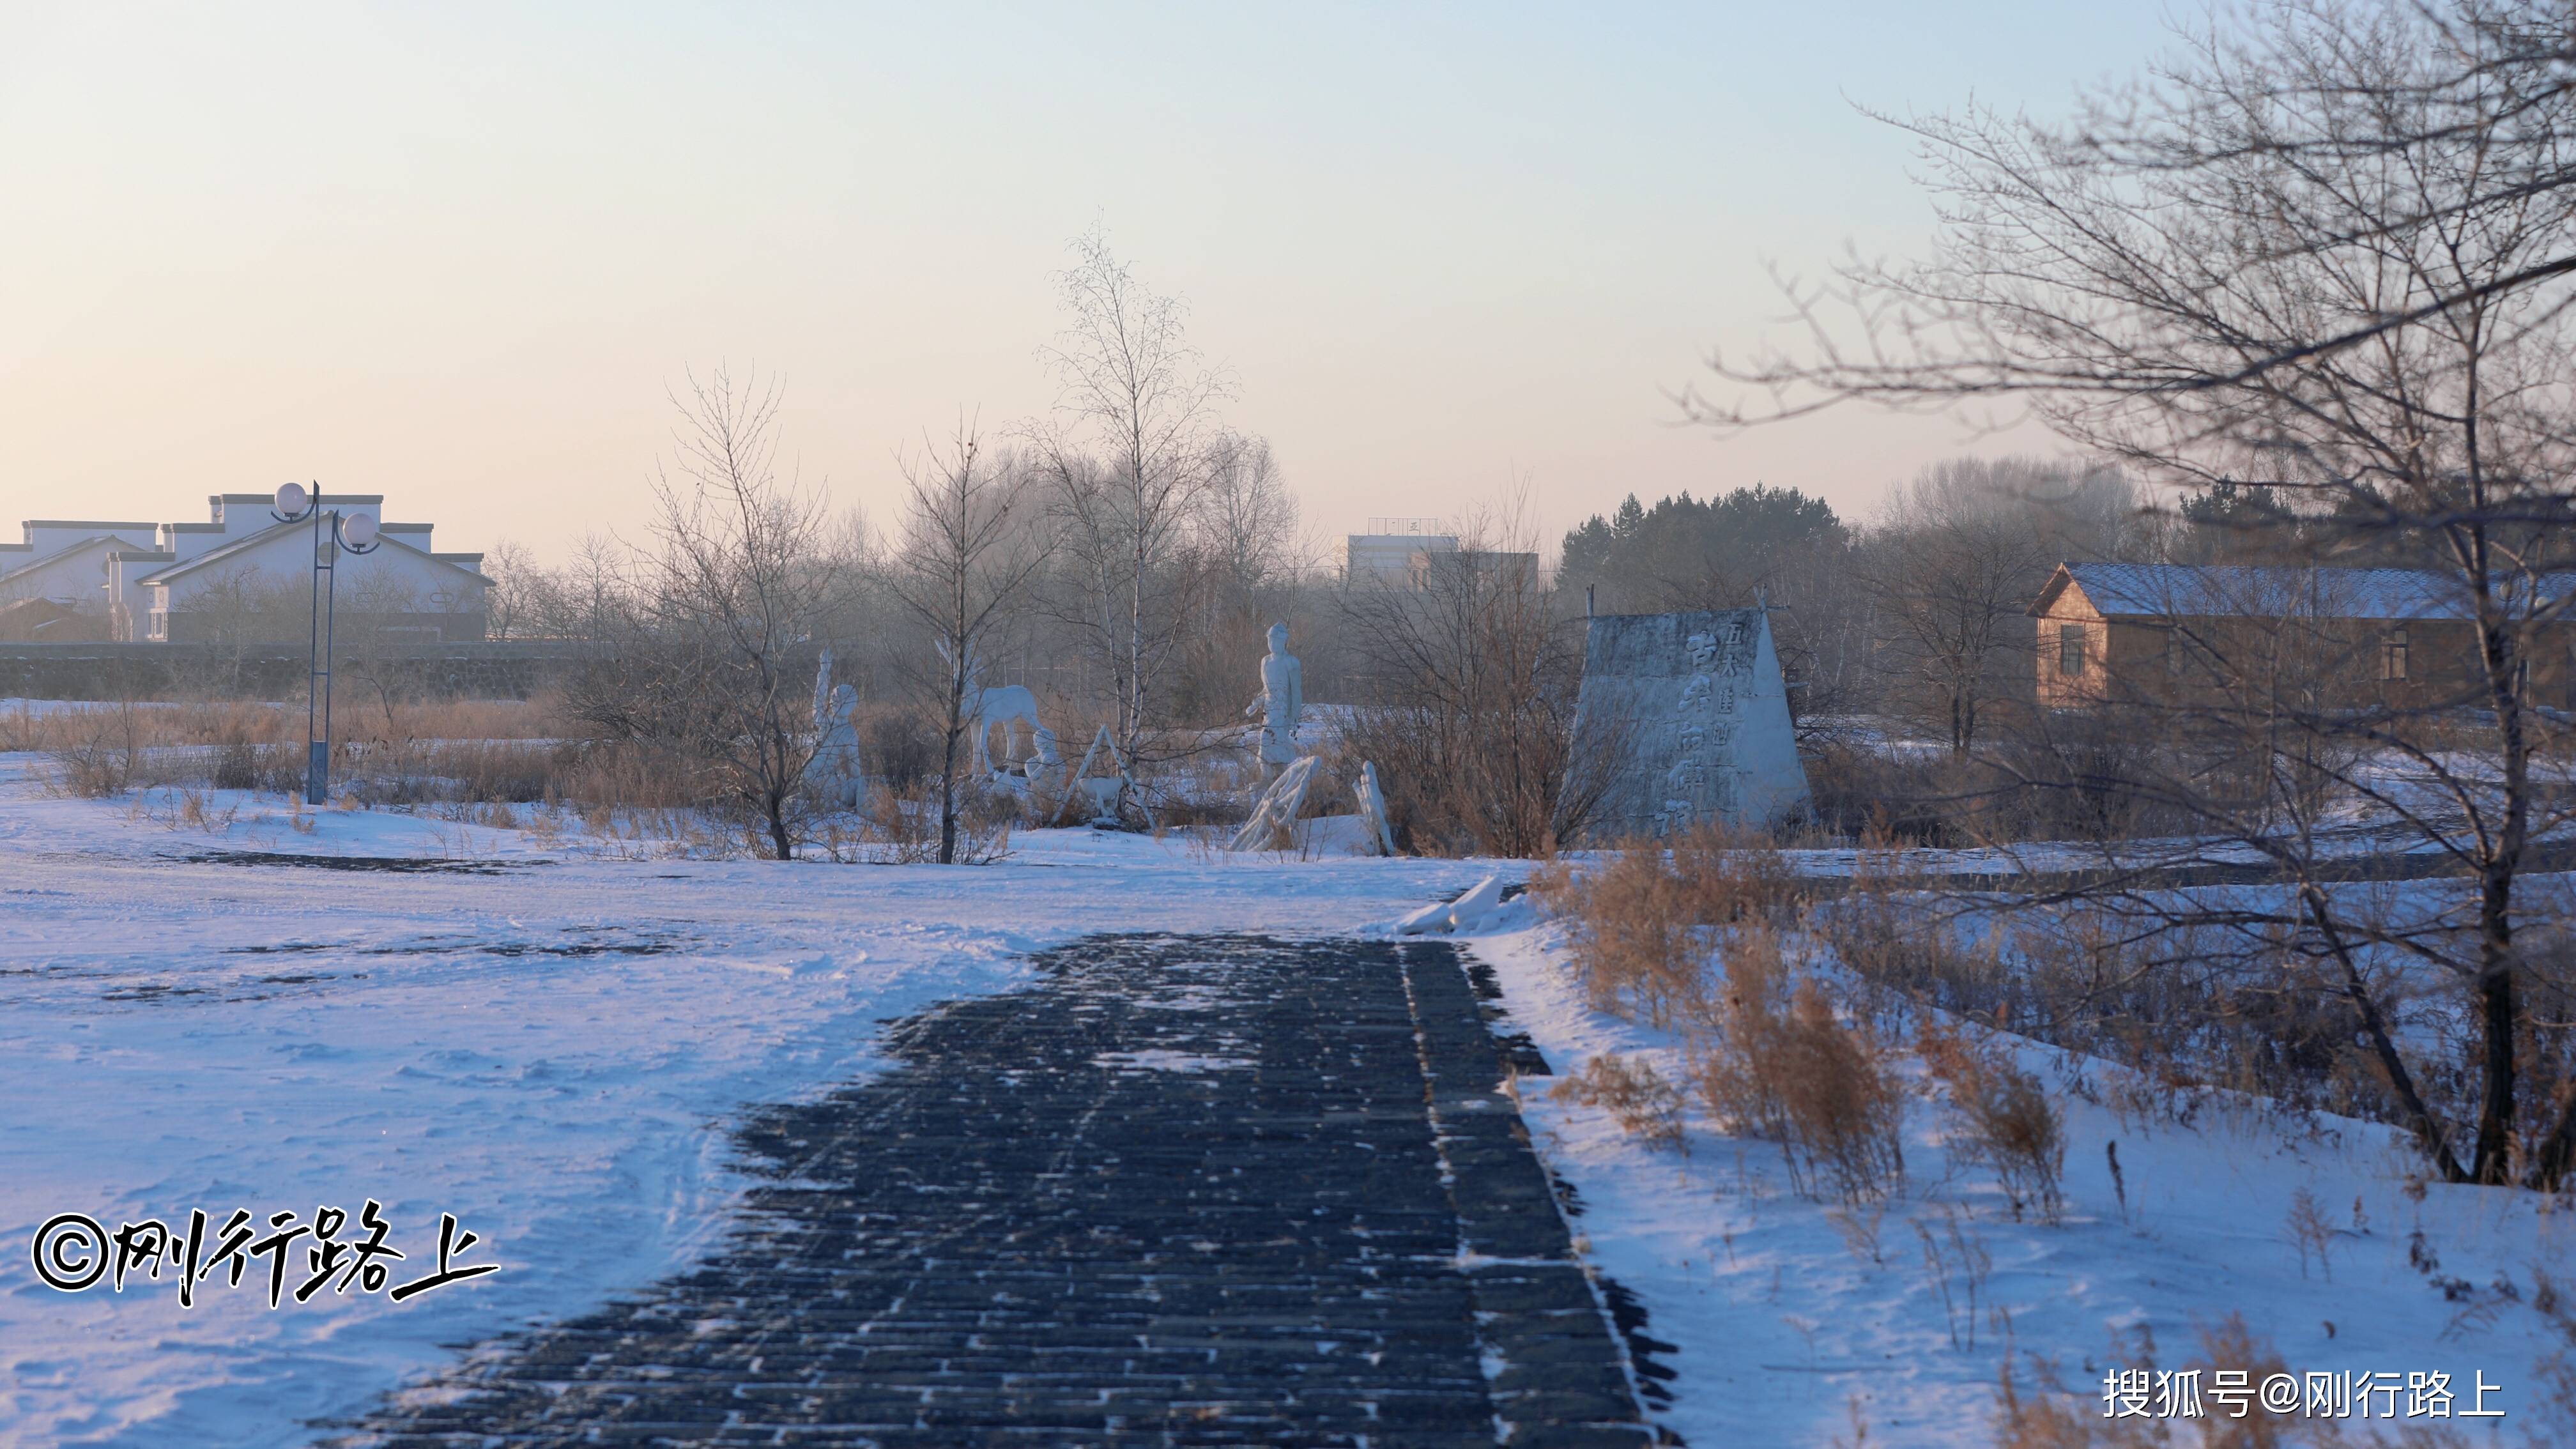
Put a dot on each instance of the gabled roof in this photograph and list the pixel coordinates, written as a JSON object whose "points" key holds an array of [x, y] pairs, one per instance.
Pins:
{"points": [[63, 553], [248, 542], [15, 613], [2232, 591], [240, 545]]}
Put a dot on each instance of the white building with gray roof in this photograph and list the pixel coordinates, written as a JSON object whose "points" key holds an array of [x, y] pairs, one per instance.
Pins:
{"points": [[239, 575]]}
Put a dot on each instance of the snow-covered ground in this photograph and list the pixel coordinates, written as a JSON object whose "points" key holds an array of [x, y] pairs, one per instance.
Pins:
{"points": [[551, 1044], [1794, 1320], [550, 1051]]}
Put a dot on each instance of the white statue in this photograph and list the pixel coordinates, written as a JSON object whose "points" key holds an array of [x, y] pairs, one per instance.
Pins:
{"points": [[1282, 699], [834, 774], [1273, 825], [1373, 812], [1010, 706]]}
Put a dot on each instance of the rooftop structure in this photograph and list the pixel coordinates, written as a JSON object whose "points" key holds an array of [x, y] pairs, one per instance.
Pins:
{"points": [[240, 572]]}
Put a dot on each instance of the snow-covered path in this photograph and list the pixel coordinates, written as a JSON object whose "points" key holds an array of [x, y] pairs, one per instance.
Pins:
{"points": [[1184, 1189], [552, 1053]]}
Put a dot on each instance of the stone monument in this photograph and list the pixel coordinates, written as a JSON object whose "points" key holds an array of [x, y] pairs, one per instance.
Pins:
{"points": [[1682, 719], [1282, 699]]}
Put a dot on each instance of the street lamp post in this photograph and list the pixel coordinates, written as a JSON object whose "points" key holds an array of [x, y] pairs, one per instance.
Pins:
{"points": [[333, 532]]}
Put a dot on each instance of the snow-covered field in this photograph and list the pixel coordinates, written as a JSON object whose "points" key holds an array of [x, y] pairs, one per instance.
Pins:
{"points": [[551, 1052], [550, 1045], [1794, 1320]]}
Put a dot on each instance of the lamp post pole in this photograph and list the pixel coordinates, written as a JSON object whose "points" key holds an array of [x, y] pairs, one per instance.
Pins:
{"points": [[333, 532]]}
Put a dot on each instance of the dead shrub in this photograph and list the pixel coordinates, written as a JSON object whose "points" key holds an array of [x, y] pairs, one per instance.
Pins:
{"points": [[96, 753], [901, 827], [2001, 1117], [1644, 919], [605, 775], [1729, 876], [2049, 1415], [1636, 938], [2185, 1005], [2229, 1344], [1896, 938], [2555, 1373], [94, 770], [1783, 1065], [2310, 1233], [1634, 1094]]}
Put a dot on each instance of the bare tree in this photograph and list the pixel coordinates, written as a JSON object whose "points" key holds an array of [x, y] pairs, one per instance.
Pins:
{"points": [[1129, 458], [966, 556], [1962, 551], [2496, 78], [1247, 516], [1470, 674], [744, 570], [517, 599], [2296, 268]]}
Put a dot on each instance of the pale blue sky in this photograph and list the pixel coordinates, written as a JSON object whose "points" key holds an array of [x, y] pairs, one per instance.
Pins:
{"points": [[453, 253]]}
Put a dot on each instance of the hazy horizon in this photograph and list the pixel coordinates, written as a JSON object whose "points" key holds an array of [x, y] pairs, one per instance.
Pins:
{"points": [[456, 256]]}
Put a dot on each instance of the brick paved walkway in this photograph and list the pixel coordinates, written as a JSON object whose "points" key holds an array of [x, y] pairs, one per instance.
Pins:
{"points": [[1188, 1190]]}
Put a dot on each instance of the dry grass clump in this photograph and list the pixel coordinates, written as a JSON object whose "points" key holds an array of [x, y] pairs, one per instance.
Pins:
{"points": [[2048, 1414], [399, 753], [2186, 1006], [1636, 937], [2002, 1118], [1644, 920], [2053, 1415], [1781, 1064], [1896, 938], [1635, 1095]]}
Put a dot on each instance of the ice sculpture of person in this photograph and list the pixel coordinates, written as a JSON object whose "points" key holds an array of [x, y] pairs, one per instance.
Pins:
{"points": [[1282, 699], [834, 774]]}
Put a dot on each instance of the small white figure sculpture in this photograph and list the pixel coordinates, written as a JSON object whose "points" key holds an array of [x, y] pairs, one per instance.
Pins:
{"points": [[1282, 699], [834, 775], [1273, 825], [1102, 794]]}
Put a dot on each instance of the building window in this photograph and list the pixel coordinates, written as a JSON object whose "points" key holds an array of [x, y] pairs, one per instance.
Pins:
{"points": [[2392, 655], [2070, 649]]}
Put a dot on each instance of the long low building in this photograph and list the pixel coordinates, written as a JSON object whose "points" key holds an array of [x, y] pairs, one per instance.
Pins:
{"points": [[2345, 637], [240, 576]]}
